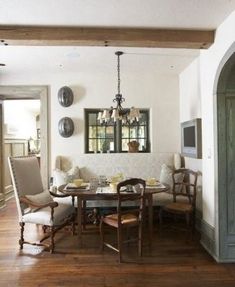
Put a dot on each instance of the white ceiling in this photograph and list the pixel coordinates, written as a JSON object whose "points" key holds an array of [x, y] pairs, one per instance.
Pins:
{"points": [[203, 14], [41, 60], [187, 14]]}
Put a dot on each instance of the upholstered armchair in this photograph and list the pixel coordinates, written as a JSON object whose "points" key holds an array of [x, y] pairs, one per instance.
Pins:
{"points": [[34, 204]]}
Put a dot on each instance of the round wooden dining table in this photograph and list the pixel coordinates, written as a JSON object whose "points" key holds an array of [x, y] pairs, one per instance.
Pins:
{"points": [[87, 194]]}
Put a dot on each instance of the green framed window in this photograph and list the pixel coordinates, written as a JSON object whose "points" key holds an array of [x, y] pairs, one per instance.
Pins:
{"points": [[114, 138], [138, 131]]}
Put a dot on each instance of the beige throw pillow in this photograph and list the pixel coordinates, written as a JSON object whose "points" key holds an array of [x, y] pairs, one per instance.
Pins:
{"points": [[166, 175], [62, 177], [177, 161]]}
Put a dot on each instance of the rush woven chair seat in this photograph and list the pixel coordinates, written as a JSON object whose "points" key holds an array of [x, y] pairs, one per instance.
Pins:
{"points": [[125, 219], [184, 187], [34, 204]]}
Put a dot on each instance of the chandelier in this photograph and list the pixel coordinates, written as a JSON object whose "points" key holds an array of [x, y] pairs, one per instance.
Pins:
{"points": [[113, 114]]}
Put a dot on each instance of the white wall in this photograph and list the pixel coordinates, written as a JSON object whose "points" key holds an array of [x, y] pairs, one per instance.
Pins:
{"points": [[211, 62], [95, 88], [190, 94], [159, 93], [203, 91], [190, 108]]}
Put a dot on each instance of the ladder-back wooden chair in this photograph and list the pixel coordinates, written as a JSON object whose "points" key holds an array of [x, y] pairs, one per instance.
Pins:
{"points": [[184, 196], [124, 218]]}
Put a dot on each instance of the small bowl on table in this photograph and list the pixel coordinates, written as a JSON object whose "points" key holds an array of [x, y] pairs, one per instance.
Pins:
{"points": [[78, 182], [113, 186]]}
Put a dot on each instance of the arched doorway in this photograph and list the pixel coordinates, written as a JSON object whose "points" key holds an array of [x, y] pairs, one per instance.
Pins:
{"points": [[226, 161]]}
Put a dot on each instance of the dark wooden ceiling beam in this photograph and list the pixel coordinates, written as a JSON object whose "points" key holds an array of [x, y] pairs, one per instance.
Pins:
{"points": [[115, 37]]}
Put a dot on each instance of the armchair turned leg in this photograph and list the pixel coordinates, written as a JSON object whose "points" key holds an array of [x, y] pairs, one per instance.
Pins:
{"points": [[21, 241], [73, 225], [140, 240], [52, 240]]}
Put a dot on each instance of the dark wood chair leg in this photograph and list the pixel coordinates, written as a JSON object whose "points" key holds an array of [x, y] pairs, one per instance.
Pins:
{"points": [[101, 235], [73, 224], [187, 216], [140, 239], [193, 222], [52, 240], [21, 241], [119, 235], [84, 215]]}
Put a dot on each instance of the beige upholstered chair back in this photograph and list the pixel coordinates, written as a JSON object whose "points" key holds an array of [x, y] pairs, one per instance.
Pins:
{"points": [[26, 178]]}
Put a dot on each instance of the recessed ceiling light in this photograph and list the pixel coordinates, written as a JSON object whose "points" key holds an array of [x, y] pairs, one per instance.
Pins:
{"points": [[73, 54]]}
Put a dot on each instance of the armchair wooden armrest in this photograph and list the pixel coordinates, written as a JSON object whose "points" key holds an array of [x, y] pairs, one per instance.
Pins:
{"points": [[30, 203], [58, 195]]}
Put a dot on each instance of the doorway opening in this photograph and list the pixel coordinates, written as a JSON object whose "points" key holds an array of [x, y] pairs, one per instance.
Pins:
{"points": [[24, 129]]}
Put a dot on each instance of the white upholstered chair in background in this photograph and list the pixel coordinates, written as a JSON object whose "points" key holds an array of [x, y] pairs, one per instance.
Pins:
{"points": [[34, 204]]}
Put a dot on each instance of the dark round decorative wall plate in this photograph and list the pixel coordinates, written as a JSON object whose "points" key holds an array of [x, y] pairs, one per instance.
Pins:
{"points": [[66, 127], [65, 96]]}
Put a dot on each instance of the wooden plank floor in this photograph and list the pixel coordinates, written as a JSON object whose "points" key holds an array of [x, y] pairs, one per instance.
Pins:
{"points": [[174, 261]]}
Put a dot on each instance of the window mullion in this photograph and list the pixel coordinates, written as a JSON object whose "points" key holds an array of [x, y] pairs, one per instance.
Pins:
{"points": [[118, 136]]}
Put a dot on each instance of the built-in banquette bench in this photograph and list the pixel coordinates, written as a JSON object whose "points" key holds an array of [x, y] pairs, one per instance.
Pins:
{"points": [[131, 165]]}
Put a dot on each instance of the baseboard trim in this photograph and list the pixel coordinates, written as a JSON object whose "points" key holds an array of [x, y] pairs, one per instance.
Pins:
{"points": [[2, 206], [208, 238], [9, 197]]}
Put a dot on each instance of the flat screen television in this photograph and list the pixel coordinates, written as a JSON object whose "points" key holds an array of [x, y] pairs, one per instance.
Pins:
{"points": [[191, 138]]}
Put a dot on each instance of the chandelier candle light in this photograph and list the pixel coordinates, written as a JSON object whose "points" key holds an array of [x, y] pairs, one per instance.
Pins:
{"points": [[119, 113]]}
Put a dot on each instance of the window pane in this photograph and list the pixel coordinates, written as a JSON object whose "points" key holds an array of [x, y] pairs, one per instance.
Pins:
{"points": [[133, 132], [92, 145], [125, 132], [92, 132], [105, 145], [143, 144], [110, 132], [143, 119], [111, 145], [100, 132], [99, 144], [92, 118], [125, 144], [142, 132]]}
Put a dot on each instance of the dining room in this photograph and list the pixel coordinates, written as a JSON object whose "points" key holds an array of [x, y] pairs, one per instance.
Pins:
{"points": [[135, 180]]}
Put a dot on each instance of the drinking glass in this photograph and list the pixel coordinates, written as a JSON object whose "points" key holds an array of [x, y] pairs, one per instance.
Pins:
{"points": [[94, 182], [102, 180]]}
